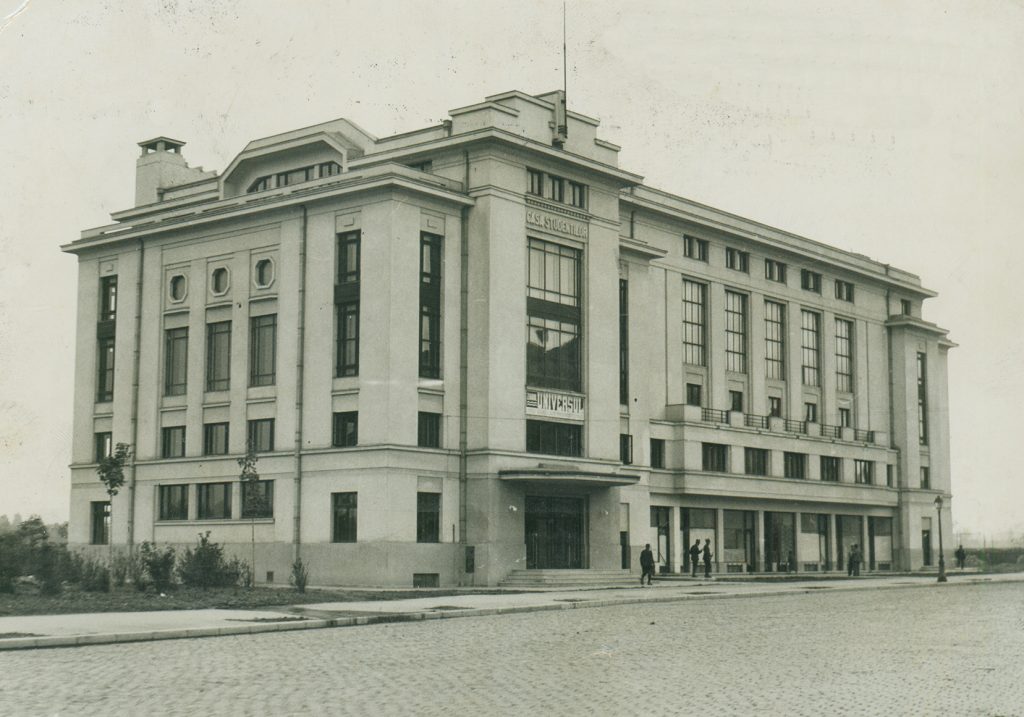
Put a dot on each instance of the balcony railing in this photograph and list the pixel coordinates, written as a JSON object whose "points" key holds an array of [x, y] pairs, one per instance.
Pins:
{"points": [[713, 415], [795, 426], [752, 421], [828, 431], [863, 436]]}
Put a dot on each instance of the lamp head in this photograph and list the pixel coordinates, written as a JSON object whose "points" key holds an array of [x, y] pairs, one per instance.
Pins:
{"points": [[938, 502]]}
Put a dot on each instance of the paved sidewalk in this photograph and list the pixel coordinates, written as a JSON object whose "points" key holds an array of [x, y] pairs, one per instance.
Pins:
{"points": [[36, 631]]}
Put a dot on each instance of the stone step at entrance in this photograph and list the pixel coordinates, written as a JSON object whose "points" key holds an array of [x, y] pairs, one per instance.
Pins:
{"points": [[569, 578]]}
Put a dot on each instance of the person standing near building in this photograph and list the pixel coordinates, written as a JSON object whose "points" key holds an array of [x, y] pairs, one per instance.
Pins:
{"points": [[707, 558], [961, 556], [855, 558], [849, 561], [694, 557], [646, 564]]}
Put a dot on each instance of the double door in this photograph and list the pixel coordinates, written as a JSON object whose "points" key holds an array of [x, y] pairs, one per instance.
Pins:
{"points": [[556, 536]]}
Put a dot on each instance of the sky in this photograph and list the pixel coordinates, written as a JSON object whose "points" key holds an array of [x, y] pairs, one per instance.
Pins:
{"points": [[894, 129]]}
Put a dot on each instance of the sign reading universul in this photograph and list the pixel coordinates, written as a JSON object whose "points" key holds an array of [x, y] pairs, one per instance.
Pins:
{"points": [[554, 405], [559, 225]]}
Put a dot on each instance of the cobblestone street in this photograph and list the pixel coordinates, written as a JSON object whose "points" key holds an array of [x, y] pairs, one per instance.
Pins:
{"points": [[950, 650]]}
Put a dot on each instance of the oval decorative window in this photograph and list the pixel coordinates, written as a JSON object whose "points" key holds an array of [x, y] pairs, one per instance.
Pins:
{"points": [[178, 287], [219, 280], [264, 273]]}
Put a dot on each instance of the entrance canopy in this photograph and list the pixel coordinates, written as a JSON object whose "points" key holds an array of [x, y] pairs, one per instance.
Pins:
{"points": [[568, 477]]}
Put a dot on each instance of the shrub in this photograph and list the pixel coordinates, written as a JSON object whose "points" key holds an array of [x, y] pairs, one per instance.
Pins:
{"points": [[9, 562], [206, 567], [94, 575], [300, 575], [47, 563], [125, 568], [158, 565]]}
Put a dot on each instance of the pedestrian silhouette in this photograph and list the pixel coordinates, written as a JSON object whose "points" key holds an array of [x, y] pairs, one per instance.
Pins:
{"points": [[646, 564], [694, 557], [707, 558]]}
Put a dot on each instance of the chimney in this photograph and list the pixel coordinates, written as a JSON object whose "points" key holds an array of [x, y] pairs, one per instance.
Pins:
{"points": [[161, 166]]}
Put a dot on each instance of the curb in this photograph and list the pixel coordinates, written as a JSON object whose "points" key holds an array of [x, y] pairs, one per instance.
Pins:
{"points": [[42, 642]]}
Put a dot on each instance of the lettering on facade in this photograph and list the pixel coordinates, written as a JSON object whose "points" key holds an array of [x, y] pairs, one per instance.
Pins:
{"points": [[554, 405], [559, 225]]}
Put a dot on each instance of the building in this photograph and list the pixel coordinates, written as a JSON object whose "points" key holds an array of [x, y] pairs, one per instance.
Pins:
{"points": [[483, 347]]}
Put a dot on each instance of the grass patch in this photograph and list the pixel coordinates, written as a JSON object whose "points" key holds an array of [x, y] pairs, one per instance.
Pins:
{"points": [[29, 601]]}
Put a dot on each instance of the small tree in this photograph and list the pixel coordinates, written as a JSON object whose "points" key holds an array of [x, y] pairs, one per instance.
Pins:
{"points": [[253, 503], [111, 473]]}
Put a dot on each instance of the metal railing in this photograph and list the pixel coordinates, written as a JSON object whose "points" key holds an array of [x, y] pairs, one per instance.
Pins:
{"points": [[752, 421], [828, 431], [863, 436], [714, 415], [795, 426]]}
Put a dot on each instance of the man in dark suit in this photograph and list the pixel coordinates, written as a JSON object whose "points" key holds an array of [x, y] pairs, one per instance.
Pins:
{"points": [[707, 557], [646, 564], [694, 557]]}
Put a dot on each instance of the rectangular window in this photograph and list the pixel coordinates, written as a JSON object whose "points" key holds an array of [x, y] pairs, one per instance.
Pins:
{"points": [[737, 260], [775, 271], [104, 445], [347, 349], [844, 355], [343, 509], [922, 399], [535, 182], [108, 298], [811, 412], [175, 361], [623, 342], [173, 442], [775, 406], [845, 419], [657, 453], [775, 340], [625, 448], [926, 481], [105, 370], [695, 248], [755, 461], [346, 429], [214, 501], [735, 332], [736, 401], [831, 469], [173, 502], [890, 475], [260, 435], [556, 188], [428, 517], [257, 498], [218, 356], [215, 439], [693, 394], [714, 457], [99, 522], [844, 290], [905, 307], [558, 439], [694, 322], [262, 350], [430, 306], [428, 430], [810, 281], [810, 333], [863, 472], [578, 195], [794, 465], [348, 258], [553, 317]]}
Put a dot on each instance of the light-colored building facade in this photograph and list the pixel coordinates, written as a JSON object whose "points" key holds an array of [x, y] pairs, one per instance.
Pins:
{"points": [[483, 347]]}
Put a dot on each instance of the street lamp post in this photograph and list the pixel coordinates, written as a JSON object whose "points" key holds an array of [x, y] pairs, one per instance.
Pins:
{"points": [[942, 560]]}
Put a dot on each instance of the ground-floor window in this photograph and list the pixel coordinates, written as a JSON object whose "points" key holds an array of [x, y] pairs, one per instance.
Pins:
{"points": [[258, 499], [343, 507], [214, 501], [173, 502], [428, 517], [739, 540], [99, 524]]}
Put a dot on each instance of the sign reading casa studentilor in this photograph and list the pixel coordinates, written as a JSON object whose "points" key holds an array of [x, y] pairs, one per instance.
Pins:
{"points": [[559, 225], [554, 405]]}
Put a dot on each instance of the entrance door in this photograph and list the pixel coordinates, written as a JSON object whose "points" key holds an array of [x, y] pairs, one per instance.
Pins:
{"points": [[555, 533], [926, 546], [662, 544]]}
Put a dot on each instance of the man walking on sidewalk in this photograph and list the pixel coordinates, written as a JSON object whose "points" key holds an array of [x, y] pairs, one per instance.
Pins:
{"points": [[646, 564], [694, 557]]}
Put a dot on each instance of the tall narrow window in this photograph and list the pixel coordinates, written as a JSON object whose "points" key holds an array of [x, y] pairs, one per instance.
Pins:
{"points": [[105, 370], [553, 317], [260, 435], [215, 439], [346, 301], [218, 356], [775, 340], [657, 453], [430, 306], [173, 442], [926, 479], [175, 361], [99, 528], [625, 449], [343, 508], [428, 517], [863, 472], [108, 298], [922, 399], [694, 321], [810, 334], [844, 355], [428, 433], [262, 350], [535, 183], [346, 429], [623, 341], [735, 332], [104, 445], [775, 406]]}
